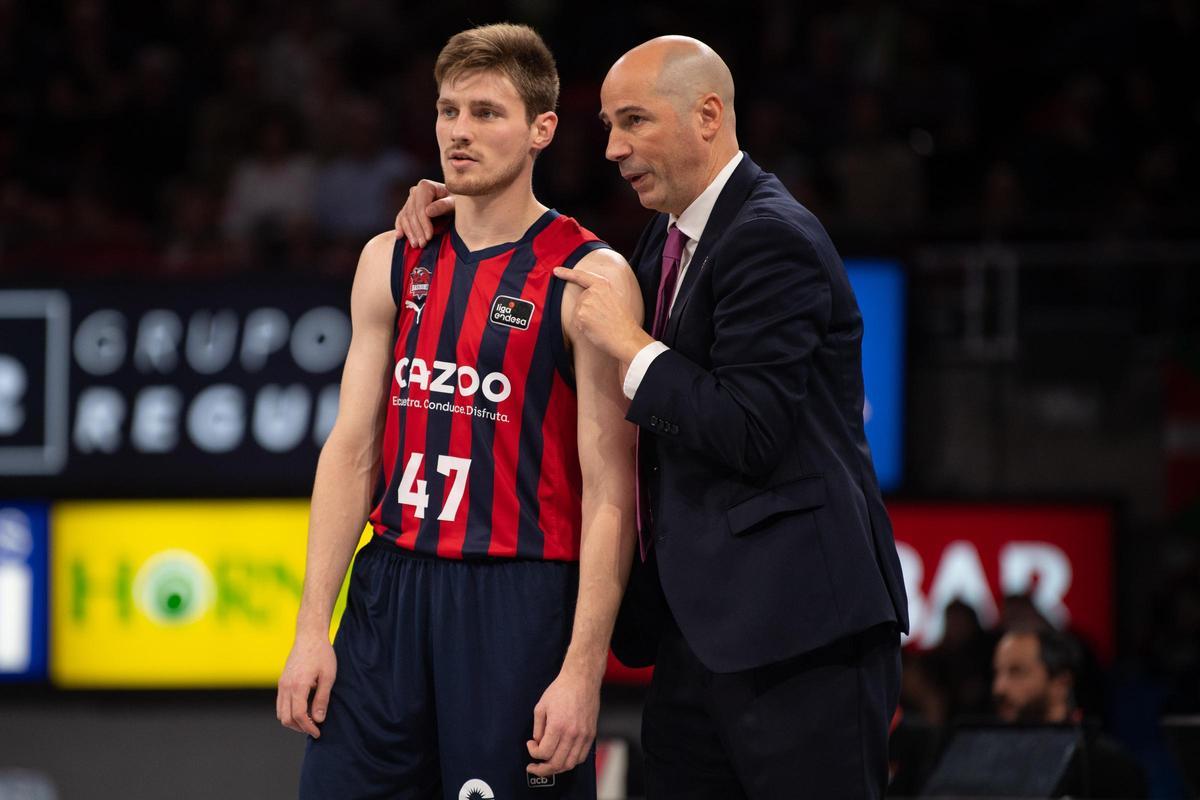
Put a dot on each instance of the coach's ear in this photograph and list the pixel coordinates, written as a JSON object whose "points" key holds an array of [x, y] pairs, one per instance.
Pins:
{"points": [[543, 128], [710, 115]]}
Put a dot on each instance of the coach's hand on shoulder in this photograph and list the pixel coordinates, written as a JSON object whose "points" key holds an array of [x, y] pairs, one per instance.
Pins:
{"points": [[603, 312], [426, 200], [564, 723], [310, 670]]}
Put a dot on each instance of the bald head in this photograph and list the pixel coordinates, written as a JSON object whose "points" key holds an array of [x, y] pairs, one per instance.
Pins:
{"points": [[681, 69]]}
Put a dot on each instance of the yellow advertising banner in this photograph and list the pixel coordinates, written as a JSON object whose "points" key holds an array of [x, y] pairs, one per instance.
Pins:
{"points": [[198, 593]]}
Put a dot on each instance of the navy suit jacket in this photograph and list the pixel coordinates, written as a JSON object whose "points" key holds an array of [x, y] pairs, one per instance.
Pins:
{"points": [[770, 535]]}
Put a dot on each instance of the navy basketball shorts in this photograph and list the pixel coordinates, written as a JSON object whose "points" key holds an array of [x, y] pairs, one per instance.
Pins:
{"points": [[439, 665]]}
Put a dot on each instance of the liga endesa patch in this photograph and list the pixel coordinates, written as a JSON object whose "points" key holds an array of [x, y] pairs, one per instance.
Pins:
{"points": [[512, 312]]}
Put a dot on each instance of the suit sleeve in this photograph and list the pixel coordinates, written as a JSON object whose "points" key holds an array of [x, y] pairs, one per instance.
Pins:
{"points": [[771, 309]]}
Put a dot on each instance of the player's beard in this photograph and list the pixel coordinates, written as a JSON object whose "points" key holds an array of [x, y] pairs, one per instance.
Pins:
{"points": [[478, 185]]}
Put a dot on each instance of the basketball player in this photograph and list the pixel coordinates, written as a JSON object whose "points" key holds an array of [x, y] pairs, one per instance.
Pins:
{"points": [[485, 441]]}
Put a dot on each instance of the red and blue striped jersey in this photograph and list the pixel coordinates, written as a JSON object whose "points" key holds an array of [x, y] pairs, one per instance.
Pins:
{"points": [[480, 457]]}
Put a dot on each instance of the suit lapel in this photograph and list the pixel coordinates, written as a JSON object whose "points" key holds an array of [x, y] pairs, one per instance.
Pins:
{"points": [[729, 202]]}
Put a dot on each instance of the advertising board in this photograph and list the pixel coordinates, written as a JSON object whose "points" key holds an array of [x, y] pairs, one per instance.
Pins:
{"points": [[23, 590], [1061, 556], [176, 593], [175, 390], [879, 287]]}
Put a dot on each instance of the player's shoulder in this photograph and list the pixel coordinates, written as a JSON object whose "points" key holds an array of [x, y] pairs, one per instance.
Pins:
{"points": [[570, 232], [373, 276], [607, 262], [380, 249], [612, 267], [566, 225]]}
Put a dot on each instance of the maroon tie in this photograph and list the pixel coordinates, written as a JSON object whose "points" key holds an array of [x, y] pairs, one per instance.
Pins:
{"points": [[672, 255]]}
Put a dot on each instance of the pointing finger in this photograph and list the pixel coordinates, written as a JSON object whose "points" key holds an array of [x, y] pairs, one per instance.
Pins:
{"points": [[579, 277], [596, 276]]}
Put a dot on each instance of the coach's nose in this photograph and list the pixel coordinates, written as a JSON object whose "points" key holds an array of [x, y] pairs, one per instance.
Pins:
{"points": [[618, 148]]}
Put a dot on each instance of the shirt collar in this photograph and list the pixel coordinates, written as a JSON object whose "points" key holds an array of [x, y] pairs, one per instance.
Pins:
{"points": [[694, 218]]}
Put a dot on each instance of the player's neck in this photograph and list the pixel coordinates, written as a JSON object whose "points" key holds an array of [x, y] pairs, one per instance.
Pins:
{"points": [[503, 216]]}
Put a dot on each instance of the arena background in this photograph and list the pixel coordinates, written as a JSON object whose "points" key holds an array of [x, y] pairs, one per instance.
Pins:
{"points": [[184, 188]]}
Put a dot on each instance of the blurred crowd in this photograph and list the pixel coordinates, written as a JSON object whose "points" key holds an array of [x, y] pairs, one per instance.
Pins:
{"points": [[1023, 673], [960, 678], [190, 138]]}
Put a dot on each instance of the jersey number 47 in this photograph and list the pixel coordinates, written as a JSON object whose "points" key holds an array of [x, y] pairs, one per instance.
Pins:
{"points": [[412, 489]]}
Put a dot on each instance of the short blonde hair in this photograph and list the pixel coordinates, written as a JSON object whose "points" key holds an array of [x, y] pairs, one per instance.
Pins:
{"points": [[515, 51]]}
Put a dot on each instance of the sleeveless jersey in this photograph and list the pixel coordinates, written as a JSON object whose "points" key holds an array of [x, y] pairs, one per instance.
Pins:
{"points": [[480, 457]]}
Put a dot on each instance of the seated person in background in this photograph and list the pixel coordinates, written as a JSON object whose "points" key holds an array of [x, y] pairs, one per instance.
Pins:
{"points": [[1034, 684]]}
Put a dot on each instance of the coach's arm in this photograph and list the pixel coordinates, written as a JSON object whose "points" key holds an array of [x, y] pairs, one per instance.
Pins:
{"points": [[772, 309]]}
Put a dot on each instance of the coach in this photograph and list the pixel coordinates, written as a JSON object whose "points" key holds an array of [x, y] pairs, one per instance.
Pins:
{"points": [[769, 594]]}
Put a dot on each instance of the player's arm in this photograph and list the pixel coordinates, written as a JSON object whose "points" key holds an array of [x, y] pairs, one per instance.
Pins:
{"points": [[565, 717], [346, 475]]}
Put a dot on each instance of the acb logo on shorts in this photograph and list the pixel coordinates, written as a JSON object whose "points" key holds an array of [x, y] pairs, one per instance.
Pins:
{"points": [[539, 781]]}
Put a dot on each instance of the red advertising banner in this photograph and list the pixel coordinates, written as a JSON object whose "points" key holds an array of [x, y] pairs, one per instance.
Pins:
{"points": [[1059, 555]]}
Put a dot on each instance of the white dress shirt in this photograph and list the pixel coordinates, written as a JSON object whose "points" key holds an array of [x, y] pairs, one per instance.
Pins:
{"points": [[691, 222]]}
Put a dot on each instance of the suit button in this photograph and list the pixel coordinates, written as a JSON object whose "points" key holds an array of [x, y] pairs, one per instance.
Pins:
{"points": [[661, 538]]}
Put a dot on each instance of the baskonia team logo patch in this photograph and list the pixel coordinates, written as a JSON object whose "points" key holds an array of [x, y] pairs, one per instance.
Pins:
{"points": [[512, 312], [418, 283], [418, 290]]}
